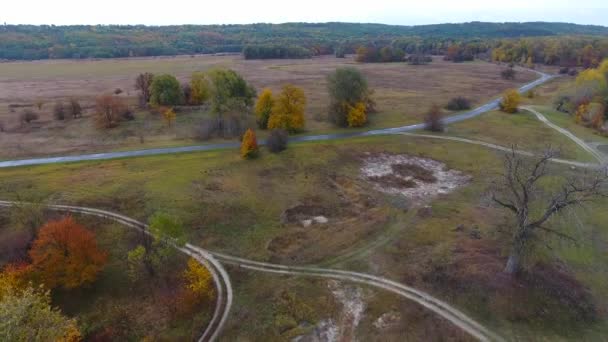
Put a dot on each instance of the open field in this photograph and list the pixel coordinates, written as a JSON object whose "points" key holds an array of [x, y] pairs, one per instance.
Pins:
{"points": [[236, 206], [403, 94]]}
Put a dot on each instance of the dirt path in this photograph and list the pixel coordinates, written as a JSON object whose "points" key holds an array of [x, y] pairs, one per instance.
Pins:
{"points": [[595, 153], [222, 281], [220, 276]]}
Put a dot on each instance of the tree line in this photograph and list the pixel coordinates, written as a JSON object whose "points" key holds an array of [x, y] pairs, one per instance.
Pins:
{"points": [[298, 40]]}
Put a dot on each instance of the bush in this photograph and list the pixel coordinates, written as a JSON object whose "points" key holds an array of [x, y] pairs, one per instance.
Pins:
{"points": [[27, 116], [59, 111], [508, 74], [2, 128], [510, 101], [433, 121], [117, 91], [277, 140], [458, 103], [109, 111], [228, 126], [74, 109], [564, 70]]}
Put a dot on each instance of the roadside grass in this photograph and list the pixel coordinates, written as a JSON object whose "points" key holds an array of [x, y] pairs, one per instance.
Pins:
{"points": [[234, 205], [522, 130]]}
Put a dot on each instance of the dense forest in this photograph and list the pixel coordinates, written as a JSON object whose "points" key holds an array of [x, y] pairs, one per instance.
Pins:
{"points": [[302, 40]]}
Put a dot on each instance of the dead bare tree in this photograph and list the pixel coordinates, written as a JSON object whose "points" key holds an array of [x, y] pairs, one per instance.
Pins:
{"points": [[517, 191]]}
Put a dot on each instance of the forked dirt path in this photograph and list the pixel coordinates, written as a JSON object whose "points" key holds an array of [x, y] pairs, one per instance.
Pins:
{"points": [[580, 142], [222, 281]]}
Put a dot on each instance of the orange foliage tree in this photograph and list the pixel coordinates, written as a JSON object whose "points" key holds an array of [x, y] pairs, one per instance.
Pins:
{"points": [[65, 254], [249, 146]]}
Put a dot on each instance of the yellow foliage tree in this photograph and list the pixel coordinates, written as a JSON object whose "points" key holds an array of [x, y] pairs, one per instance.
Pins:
{"points": [[288, 110], [510, 101], [169, 116], [263, 108], [199, 88], [249, 146], [198, 278], [356, 115], [581, 113]]}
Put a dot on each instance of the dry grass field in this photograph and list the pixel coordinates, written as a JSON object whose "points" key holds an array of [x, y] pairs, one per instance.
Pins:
{"points": [[402, 92]]}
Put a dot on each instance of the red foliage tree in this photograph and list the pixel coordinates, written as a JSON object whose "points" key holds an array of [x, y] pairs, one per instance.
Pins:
{"points": [[65, 254]]}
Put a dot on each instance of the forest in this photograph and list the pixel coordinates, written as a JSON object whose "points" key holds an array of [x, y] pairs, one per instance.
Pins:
{"points": [[508, 42]]}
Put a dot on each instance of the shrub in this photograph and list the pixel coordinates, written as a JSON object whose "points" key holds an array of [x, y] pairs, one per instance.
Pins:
{"points": [[458, 103], [510, 101], [249, 146], [356, 115], [227, 126], [508, 74], [59, 111], [117, 91], [277, 140], [27, 116], [564, 70], [530, 94], [109, 111], [74, 109], [433, 121], [2, 127], [169, 116]]}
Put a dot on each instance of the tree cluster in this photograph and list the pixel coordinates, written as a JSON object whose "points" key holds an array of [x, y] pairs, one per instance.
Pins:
{"points": [[350, 98], [275, 52]]}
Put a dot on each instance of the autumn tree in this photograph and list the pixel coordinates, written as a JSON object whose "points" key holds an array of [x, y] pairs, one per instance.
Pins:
{"points": [[263, 108], [356, 115], [27, 315], [433, 120], [200, 88], [165, 90], [136, 262], [198, 279], [143, 83], [347, 87], [510, 101], [169, 116], [249, 146], [519, 191], [288, 110], [65, 254], [109, 111], [169, 232]]}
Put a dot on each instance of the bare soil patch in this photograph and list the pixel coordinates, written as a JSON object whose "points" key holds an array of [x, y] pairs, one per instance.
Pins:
{"points": [[314, 231], [418, 179]]}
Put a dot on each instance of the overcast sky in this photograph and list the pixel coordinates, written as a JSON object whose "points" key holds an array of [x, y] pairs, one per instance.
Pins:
{"points": [[401, 12]]}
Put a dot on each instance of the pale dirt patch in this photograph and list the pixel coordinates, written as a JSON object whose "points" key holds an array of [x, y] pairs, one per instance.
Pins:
{"points": [[429, 178], [343, 327]]}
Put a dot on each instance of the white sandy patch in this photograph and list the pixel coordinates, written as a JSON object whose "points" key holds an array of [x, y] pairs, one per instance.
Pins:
{"points": [[379, 165]]}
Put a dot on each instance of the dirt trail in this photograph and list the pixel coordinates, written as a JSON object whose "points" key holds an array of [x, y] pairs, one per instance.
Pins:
{"points": [[595, 153], [210, 260]]}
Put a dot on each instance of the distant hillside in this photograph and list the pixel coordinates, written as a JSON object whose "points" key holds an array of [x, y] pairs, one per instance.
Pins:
{"points": [[44, 42]]}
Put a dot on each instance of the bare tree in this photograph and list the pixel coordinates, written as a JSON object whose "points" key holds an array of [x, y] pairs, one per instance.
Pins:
{"points": [[142, 83], [517, 190]]}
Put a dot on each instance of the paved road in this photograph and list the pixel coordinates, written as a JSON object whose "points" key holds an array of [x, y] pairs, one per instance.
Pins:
{"points": [[210, 147]]}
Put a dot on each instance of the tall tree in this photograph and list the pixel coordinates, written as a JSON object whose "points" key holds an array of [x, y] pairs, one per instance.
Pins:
{"points": [[65, 254], [518, 191], [288, 110], [249, 146], [229, 91], [199, 88], [143, 83], [263, 108], [347, 87], [165, 90]]}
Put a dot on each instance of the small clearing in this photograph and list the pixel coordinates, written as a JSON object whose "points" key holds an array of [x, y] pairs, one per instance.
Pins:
{"points": [[418, 179]]}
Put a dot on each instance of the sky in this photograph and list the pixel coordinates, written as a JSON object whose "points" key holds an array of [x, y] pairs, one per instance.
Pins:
{"points": [[399, 12]]}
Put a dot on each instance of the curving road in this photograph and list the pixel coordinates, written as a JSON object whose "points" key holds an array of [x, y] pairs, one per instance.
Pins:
{"points": [[210, 147], [222, 281]]}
